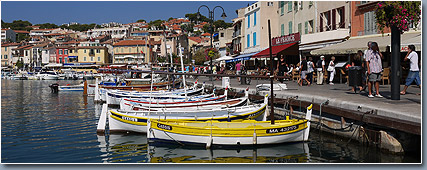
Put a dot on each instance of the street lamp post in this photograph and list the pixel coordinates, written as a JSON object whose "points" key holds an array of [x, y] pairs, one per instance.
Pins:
{"points": [[211, 18]]}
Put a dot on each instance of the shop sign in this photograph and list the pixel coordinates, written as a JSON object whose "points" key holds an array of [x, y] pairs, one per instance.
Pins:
{"points": [[286, 39]]}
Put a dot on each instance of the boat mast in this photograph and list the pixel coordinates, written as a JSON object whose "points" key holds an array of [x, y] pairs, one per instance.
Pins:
{"points": [[182, 70], [271, 76]]}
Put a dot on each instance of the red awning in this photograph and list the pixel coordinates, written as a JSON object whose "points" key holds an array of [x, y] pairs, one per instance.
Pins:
{"points": [[274, 50]]}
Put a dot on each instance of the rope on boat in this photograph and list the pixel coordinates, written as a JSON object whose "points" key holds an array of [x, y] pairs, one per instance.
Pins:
{"points": [[172, 138]]}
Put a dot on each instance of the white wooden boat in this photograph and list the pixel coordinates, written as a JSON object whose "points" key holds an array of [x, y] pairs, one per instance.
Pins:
{"points": [[196, 103], [116, 97], [47, 75], [68, 87], [20, 76], [247, 132], [136, 121]]}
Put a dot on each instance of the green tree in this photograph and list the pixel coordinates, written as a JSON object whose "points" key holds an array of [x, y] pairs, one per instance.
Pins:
{"points": [[171, 18], [206, 28], [193, 17], [199, 57], [188, 27], [81, 27], [222, 24], [17, 25], [141, 20], [197, 33], [156, 23], [19, 64], [47, 26]]}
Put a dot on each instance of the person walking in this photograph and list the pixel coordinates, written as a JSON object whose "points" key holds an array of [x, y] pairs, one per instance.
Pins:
{"points": [[320, 69], [310, 70], [414, 71], [281, 67], [374, 66], [303, 70], [238, 70], [357, 62], [331, 70]]}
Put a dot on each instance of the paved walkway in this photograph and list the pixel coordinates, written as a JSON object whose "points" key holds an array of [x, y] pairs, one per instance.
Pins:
{"points": [[407, 108]]}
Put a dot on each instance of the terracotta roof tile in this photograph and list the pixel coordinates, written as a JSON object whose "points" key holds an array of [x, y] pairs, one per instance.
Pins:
{"points": [[195, 39], [21, 31], [91, 47], [130, 43], [206, 34]]}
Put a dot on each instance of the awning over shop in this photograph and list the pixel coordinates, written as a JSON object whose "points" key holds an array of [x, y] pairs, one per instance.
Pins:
{"points": [[72, 56], [241, 57], [224, 58], [352, 45], [78, 64], [274, 50]]}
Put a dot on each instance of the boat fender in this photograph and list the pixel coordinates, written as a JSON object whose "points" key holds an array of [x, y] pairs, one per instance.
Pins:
{"points": [[209, 142], [254, 138]]}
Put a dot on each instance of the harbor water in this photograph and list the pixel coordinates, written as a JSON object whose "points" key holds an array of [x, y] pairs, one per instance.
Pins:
{"points": [[38, 126]]}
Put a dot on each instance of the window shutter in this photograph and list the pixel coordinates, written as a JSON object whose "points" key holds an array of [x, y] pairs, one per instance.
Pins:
{"points": [[321, 23], [342, 18], [329, 21], [334, 19]]}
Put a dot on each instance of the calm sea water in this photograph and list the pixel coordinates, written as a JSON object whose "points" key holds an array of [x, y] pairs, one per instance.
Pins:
{"points": [[38, 126]]}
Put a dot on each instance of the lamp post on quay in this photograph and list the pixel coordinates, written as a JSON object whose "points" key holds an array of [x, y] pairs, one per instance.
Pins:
{"points": [[211, 18]]}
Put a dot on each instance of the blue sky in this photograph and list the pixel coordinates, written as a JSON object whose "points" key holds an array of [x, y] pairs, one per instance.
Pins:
{"points": [[59, 12]]}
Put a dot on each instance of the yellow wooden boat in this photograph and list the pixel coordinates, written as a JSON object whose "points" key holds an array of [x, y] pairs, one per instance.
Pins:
{"points": [[246, 132]]}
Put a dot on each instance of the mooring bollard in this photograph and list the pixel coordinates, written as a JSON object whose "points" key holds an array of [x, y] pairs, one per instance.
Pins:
{"points": [[85, 88]]}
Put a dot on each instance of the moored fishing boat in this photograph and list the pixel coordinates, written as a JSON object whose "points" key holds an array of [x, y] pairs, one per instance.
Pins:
{"points": [[48, 75], [201, 104], [114, 97], [68, 87], [247, 132], [136, 121], [20, 76]]}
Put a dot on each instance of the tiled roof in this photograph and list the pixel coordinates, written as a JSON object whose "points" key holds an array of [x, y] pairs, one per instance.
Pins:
{"points": [[195, 39], [44, 29], [91, 47], [21, 31], [176, 27], [130, 43], [206, 34], [55, 34], [10, 44]]}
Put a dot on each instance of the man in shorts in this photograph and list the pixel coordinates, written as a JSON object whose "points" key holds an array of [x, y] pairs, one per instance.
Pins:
{"points": [[414, 70], [374, 66]]}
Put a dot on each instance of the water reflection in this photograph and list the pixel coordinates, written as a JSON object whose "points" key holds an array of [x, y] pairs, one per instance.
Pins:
{"points": [[123, 148], [284, 153], [42, 127]]}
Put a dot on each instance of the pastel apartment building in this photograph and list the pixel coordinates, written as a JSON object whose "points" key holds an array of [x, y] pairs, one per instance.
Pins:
{"points": [[131, 52], [92, 54], [8, 35]]}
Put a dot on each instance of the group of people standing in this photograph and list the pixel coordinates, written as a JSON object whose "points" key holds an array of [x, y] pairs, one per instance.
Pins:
{"points": [[370, 62], [307, 68]]}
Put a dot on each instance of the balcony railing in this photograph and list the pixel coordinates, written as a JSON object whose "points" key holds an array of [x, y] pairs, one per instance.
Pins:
{"points": [[236, 34]]}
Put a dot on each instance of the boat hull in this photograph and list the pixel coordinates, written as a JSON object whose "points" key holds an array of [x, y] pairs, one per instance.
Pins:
{"points": [[227, 133], [137, 121]]}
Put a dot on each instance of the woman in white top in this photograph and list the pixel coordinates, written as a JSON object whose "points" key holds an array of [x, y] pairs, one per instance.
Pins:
{"points": [[331, 70], [310, 70]]}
